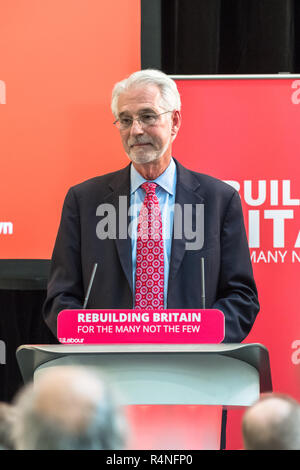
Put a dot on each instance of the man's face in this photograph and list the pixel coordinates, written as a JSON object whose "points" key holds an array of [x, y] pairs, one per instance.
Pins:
{"points": [[145, 144]]}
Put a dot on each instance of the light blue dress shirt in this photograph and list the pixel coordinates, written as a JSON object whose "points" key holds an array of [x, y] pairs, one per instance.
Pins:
{"points": [[165, 192]]}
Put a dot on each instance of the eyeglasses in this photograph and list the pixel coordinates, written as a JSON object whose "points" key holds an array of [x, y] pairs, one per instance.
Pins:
{"points": [[144, 120]]}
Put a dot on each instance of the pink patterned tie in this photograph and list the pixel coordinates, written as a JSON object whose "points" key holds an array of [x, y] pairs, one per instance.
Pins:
{"points": [[149, 280]]}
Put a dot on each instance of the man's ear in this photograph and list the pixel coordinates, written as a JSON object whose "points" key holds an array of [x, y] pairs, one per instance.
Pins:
{"points": [[176, 123]]}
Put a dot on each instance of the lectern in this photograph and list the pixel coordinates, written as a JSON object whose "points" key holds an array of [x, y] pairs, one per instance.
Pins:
{"points": [[159, 374], [226, 374]]}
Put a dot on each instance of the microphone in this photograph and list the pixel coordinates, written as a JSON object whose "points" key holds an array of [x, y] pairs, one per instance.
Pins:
{"points": [[203, 282], [90, 285]]}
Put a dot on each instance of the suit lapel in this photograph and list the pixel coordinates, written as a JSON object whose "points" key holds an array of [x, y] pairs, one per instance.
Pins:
{"points": [[187, 192], [119, 197]]}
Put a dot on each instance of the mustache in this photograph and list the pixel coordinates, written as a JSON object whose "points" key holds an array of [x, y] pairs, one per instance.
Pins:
{"points": [[139, 140]]}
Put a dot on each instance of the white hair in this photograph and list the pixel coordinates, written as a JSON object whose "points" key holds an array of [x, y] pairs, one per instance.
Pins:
{"points": [[170, 98], [78, 412]]}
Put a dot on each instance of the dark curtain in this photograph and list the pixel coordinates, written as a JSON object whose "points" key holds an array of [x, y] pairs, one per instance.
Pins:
{"points": [[22, 293], [230, 36], [21, 323]]}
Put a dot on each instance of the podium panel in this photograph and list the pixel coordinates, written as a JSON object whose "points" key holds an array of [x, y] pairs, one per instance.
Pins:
{"points": [[227, 375], [173, 394]]}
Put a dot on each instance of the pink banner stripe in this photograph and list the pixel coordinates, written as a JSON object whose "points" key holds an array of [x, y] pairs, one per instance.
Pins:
{"points": [[141, 326]]}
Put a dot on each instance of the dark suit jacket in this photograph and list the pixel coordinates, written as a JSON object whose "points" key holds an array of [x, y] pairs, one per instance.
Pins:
{"points": [[229, 281]]}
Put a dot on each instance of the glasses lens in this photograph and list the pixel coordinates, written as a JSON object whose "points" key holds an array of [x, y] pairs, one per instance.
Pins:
{"points": [[125, 122], [148, 119], [144, 120]]}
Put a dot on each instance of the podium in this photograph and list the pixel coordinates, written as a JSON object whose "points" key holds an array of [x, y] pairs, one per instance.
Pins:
{"points": [[226, 375]]}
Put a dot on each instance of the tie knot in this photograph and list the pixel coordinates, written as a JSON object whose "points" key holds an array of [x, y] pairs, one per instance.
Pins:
{"points": [[149, 188]]}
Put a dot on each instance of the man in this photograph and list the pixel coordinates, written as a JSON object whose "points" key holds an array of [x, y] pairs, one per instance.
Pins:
{"points": [[272, 423], [146, 107], [68, 408]]}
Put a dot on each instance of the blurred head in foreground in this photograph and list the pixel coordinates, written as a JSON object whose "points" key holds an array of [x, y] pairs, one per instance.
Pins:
{"points": [[7, 422], [272, 423], [68, 408]]}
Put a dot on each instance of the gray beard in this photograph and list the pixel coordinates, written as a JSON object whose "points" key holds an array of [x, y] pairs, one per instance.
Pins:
{"points": [[148, 157]]}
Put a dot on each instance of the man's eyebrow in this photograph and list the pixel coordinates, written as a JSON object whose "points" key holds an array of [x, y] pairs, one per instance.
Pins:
{"points": [[141, 111]]}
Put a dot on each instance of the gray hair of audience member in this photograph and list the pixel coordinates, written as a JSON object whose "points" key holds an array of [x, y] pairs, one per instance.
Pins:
{"points": [[7, 422], [69, 408], [170, 97], [272, 423]]}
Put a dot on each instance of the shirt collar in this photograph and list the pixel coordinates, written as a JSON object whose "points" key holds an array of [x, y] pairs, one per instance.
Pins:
{"points": [[167, 180]]}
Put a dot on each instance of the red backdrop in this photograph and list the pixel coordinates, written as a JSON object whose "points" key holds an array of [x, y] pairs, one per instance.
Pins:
{"points": [[59, 62], [246, 131]]}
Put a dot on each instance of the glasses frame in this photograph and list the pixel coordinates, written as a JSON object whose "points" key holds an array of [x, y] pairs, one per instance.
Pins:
{"points": [[138, 119]]}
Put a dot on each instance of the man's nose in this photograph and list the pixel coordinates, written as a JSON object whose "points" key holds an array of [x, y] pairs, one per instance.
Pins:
{"points": [[136, 128]]}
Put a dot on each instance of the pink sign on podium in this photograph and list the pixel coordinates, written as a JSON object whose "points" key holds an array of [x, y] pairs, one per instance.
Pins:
{"points": [[177, 326]]}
